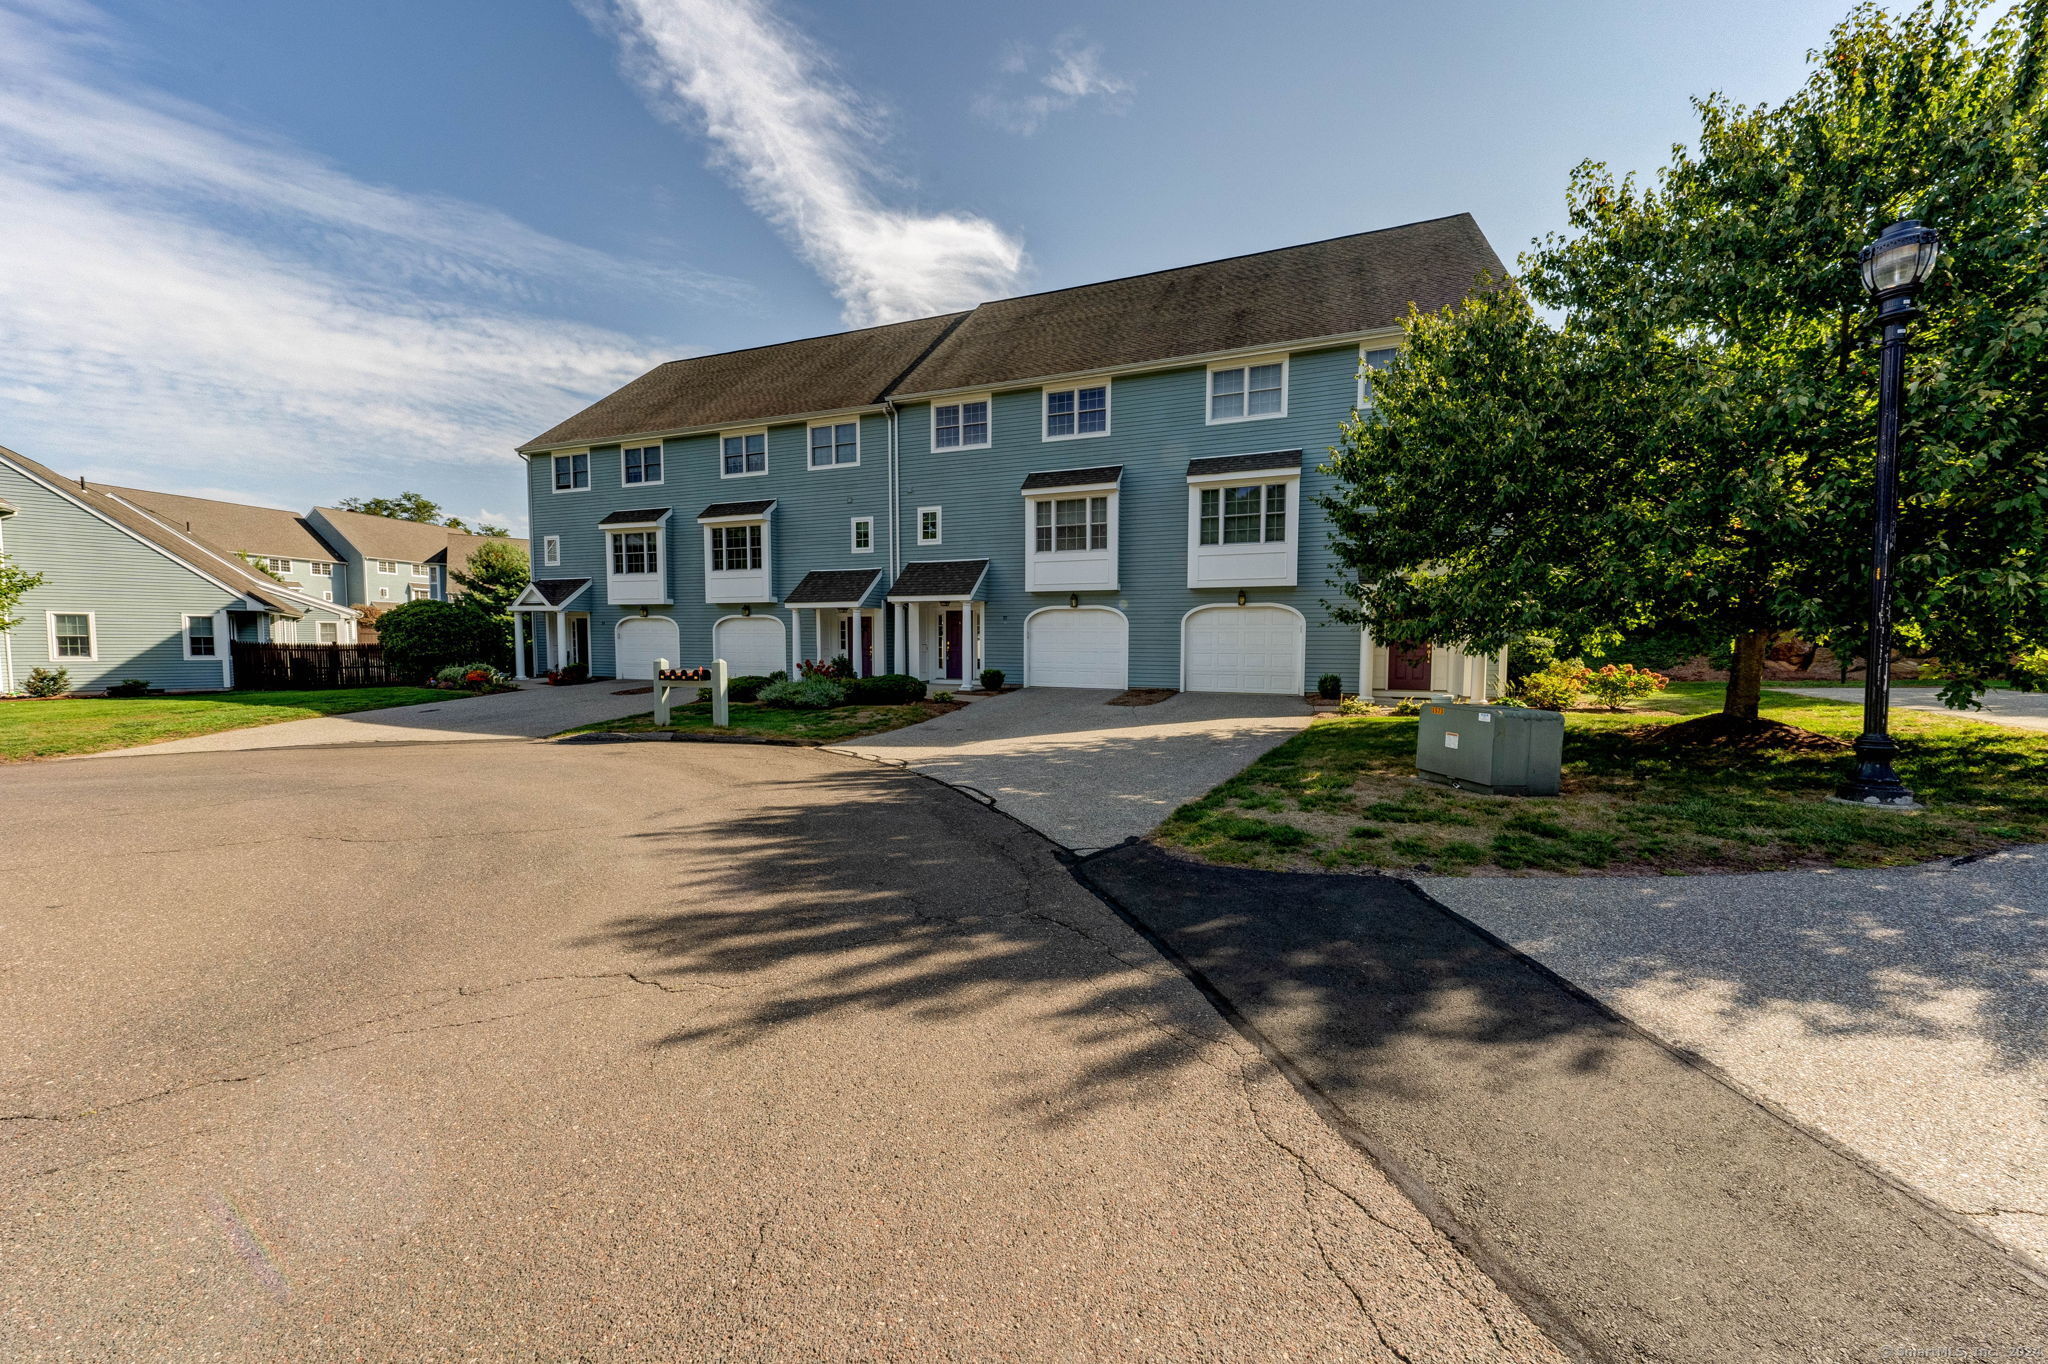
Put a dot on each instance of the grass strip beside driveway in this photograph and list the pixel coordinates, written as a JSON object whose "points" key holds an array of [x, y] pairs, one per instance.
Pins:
{"points": [[1342, 796], [66, 727], [830, 726]]}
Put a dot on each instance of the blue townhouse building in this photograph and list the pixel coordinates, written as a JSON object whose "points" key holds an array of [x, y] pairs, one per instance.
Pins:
{"points": [[1113, 485]]}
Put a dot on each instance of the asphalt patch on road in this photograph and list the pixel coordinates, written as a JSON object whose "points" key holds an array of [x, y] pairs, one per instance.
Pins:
{"points": [[1640, 1207]]}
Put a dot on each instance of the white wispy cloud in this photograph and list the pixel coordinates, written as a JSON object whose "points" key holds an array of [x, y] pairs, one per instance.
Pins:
{"points": [[1074, 72], [802, 148], [187, 301]]}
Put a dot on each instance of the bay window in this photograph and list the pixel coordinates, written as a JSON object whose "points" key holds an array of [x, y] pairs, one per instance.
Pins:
{"points": [[1245, 515], [1071, 523], [735, 549]]}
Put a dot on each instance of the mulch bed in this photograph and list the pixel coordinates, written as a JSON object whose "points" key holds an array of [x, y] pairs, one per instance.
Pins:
{"points": [[1142, 696], [635, 691], [1730, 733]]}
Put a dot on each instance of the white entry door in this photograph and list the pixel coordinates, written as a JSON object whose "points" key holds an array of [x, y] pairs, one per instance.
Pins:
{"points": [[752, 646], [1243, 649], [1084, 647], [641, 640]]}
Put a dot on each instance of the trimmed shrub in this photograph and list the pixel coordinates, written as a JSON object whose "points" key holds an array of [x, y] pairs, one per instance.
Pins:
{"points": [[422, 637], [944, 698], [47, 682], [991, 679], [572, 673], [746, 688], [1330, 687], [1555, 686], [779, 675], [133, 686], [1356, 705], [810, 693], [888, 689], [1530, 654], [1614, 686]]}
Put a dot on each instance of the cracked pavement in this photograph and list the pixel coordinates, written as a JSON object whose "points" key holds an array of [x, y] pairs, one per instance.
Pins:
{"points": [[513, 1050]]}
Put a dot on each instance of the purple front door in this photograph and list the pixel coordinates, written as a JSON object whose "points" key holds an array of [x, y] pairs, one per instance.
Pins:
{"points": [[950, 649]]}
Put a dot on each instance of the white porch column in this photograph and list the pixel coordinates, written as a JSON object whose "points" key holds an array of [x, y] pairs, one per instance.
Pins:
{"points": [[519, 646], [555, 633], [913, 645], [1365, 647], [853, 634], [968, 662]]}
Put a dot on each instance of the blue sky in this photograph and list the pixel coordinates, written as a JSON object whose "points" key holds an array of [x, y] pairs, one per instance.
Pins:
{"points": [[292, 252]]}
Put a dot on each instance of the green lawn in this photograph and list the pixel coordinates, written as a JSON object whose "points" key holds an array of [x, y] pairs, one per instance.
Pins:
{"points": [[63, 727], [1342, 796], [808, 726]]}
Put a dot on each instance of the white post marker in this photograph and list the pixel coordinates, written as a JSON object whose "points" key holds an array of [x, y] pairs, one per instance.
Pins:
{"points": [[660, 692], [721, 708]]}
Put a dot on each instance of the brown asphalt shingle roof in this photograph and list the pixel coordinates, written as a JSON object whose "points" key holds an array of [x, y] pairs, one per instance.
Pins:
{"points": [[1072, 478], [413, 542], [939, 578], [791, 379], [717, 509], [1327, 288], [214, 560], [235, 526], [1296, 293]]}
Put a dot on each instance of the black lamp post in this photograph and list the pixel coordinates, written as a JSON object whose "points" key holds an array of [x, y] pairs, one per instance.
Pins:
{"points": [[1893, 268]]}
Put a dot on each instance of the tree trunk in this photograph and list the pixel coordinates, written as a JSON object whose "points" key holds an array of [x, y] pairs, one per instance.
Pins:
{"points": [[1746, 678]]}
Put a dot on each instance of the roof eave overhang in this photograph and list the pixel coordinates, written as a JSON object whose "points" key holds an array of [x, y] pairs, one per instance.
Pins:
{"points": [[1062, 489], [1390, 332], [678, 432]]}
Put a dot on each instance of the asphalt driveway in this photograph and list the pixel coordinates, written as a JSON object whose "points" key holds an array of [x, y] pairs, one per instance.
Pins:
{"points": [[1082, 772], [1898, 1011], [532, 712], [642, 1051]]}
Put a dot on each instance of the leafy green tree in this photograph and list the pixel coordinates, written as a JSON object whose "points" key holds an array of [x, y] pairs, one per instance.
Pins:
{"points": [[422, 637], [486, 528], [494, 577], [404, 507], [1688, 449], [15, 584]]}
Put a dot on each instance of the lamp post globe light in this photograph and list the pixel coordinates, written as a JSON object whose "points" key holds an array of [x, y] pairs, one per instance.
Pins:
{"points": [[1894, 267]]}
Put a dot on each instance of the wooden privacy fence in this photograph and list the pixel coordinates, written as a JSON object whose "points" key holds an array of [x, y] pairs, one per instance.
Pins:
{"points": [[310, 665]]}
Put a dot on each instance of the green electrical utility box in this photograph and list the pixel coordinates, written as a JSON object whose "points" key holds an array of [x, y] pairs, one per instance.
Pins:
{"points": [[1504, 751]]}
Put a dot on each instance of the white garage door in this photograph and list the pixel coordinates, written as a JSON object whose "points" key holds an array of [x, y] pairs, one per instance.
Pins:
{"points": [[641, 640], [1243, 648], [1077, 648], [752, 646]]}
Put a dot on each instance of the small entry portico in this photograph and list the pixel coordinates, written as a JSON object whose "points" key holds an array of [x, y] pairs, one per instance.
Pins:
{"points": [[549, 631], [843, 619], [938, 615]]}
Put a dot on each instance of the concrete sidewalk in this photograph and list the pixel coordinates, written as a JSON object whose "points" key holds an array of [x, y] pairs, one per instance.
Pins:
{"points": [[1084, 773], [1900, 1012], [533, 712], [1658, 1213]]}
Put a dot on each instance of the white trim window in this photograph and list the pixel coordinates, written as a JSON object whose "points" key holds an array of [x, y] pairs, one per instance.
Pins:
{"points": [[1248, 390], [327, 595], [743, 454], [551, 551], [419, 571], [736, 549], [863, 535], [1063, 525], [930, 525], [418, 593], [322, 569], [1369, 360], [962, 424], [1076, 412], [387, 566], [72, 636], [640, 464], [276, 565], [328, 631], [835, 445], [572, 472], [1244, 514], [383, 594], [636, 552]]}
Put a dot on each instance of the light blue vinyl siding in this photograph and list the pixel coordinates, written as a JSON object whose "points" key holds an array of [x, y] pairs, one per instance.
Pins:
{"points": [[809, 528], [136, 594], [1158, 422]]}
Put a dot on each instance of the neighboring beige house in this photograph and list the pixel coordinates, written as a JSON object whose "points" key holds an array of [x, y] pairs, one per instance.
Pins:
{"points": [[389, 561]]}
